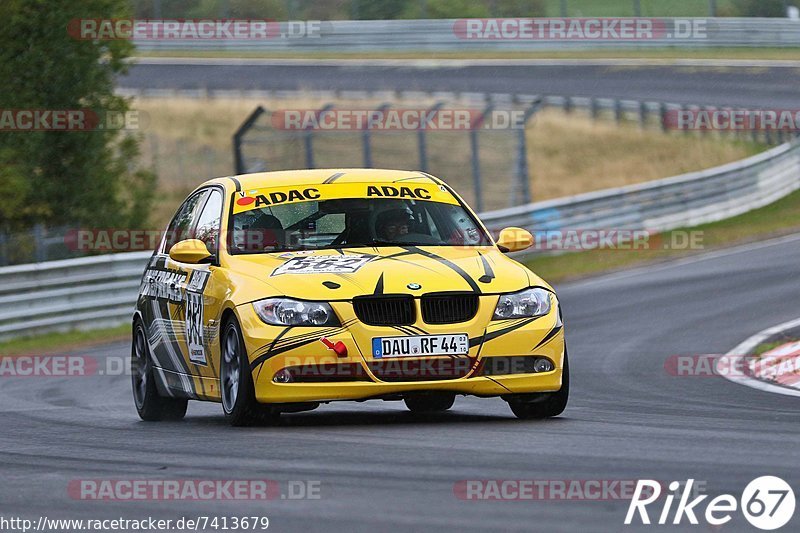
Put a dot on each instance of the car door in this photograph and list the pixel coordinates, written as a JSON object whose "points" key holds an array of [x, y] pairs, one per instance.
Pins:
{"points": [[161, 298], [202, 297]]}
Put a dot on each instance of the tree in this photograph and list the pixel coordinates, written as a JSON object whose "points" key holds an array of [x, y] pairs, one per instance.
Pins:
{"points": [[66, 177], [760, 8]]}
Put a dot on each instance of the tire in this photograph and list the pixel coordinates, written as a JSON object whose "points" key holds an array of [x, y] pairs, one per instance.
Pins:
{"points": [[427, 403], [151, 406], [236, 382], [542, 405]]}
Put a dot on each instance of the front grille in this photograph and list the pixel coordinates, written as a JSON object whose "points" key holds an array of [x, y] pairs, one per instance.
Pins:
{"points": [[385, 310], [429, 369], [449, 308]]}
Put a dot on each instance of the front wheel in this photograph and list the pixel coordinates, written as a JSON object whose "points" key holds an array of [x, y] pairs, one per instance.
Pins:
{"points": [[149, 404], [542, 405], [236, 382]]}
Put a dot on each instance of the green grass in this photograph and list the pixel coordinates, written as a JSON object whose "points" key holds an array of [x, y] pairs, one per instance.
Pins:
{"points": [[661, 54], [779, 218], [60, 342], [767, 346], [650, 8]]}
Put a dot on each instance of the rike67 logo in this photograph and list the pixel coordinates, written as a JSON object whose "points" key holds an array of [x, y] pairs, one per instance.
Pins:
{"points": [[767, 503]]}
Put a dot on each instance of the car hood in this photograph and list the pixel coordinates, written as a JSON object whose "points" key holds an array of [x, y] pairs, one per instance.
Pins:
{"points": [[416, 270]]}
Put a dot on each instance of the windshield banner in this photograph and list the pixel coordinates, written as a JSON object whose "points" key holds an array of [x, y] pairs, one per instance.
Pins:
{"points": [[268, 197]]}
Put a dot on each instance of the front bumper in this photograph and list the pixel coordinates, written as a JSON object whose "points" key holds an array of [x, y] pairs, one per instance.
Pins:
{"points": [[273, 349]]}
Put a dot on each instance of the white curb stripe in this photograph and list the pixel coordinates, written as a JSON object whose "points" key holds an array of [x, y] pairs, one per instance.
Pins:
{"points": [[745, 349]]}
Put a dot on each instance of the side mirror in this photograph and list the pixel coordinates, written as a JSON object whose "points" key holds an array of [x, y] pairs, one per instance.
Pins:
{"points": [[191, 251], [514, 239]]}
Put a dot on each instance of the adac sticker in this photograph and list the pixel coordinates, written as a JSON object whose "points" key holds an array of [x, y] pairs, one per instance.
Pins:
{"points": [[323, 264], [269, 197]]}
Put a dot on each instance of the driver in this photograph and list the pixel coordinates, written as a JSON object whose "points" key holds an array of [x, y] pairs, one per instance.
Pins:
{"points": [[393, 223]]}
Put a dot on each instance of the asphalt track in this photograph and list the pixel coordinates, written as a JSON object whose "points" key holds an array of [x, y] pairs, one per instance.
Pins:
{"points": [[757, 84], [381, 469]]}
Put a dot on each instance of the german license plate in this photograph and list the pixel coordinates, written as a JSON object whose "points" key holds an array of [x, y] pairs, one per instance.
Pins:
{"points": [[420, 346]]}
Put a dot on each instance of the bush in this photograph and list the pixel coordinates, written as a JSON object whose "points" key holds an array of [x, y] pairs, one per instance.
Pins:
{"points": [[760, 8], [66, 177]]}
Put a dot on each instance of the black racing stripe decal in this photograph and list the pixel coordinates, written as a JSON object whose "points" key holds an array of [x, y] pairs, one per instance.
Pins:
{"points": [[404, 329], [410, 263], [392, 256], [454, 267], [491, 335], [379, 286], [293, 345], [546, 339], [487, 269], [437, 181], [274, 342], [334, 178], [418, 330], [279, 343], [238, 184]]}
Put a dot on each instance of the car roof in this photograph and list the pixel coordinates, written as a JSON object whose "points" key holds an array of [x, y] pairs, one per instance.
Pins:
{"points": [[318, 176]]}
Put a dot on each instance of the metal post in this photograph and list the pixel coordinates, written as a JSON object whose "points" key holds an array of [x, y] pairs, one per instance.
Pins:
{"points": [[568, 104], [594, 108], [422, 138], [365, 138], [3, 248], [564, 10], [308, 137], [238, 156], [662, 111], [643, 114], [637, 8], [523, 173], [476, 160], [618, 110], [38, 243], [712, 8]]}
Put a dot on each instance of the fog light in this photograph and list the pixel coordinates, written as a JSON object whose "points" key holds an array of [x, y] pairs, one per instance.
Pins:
{"points": [[282, 376], [543, 365]]}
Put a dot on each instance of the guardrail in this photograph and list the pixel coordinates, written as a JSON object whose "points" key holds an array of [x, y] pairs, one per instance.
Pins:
{"points": [[681, 201], [447, 35], [83, 293], [93, 292]]}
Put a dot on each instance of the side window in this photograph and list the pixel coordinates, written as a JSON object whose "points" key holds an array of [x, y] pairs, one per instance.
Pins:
{"points": [[181, 224], [208, 223]]}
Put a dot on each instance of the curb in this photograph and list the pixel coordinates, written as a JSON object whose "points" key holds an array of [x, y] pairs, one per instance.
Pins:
{"points": [[746, 348]]}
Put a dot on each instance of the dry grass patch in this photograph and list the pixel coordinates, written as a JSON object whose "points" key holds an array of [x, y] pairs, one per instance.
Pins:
{"points": [[188, 141]]}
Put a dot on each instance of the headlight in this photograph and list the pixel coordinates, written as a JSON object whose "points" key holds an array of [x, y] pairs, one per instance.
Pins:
{"points": [[524, 304], [288, 312]]}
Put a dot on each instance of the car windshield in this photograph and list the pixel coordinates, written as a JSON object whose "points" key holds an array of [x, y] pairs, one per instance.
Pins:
{"points": [[352, 223]]}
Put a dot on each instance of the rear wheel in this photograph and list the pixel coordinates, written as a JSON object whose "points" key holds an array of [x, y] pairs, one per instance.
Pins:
{"points": [[542, 405], [149, 404], [236, 382], [429, 403]]}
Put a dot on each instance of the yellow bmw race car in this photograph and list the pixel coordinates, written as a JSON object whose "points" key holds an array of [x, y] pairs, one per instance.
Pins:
{"points": [[278, 291]]}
